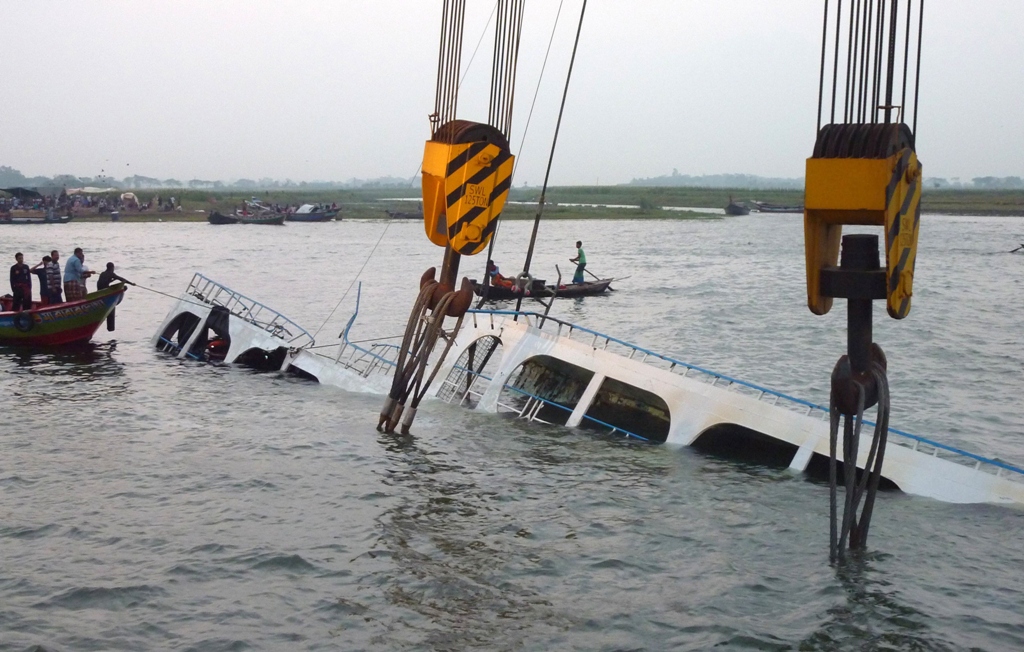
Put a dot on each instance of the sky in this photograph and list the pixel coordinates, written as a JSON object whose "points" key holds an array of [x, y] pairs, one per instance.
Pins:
{"points": [[339, 89]]}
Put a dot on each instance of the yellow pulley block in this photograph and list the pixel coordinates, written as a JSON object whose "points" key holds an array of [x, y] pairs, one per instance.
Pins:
{"points": [[467, 173], [863, 174]]}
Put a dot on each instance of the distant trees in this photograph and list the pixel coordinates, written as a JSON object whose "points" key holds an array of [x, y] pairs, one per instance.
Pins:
{"points": [[718, 181]]}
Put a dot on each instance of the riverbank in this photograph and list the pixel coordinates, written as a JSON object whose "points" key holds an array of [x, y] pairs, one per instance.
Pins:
{"points": [[565, 202]]}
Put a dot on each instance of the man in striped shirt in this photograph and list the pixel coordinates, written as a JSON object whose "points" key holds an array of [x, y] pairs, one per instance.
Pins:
{"points": [[53, 278]]}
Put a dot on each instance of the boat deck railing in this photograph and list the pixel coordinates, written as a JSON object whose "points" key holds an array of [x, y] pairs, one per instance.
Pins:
{"points": [[213, 293], [379, 358], [483, 319]]}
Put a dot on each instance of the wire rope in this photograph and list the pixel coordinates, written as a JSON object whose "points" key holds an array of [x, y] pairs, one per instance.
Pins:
{"points": [[551, 156], [522, 142], [358, 274]]}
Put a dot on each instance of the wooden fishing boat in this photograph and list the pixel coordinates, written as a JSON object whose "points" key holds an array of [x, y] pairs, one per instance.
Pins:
{"points": [[11, 218], [62, 323], [262, 218], [763, 207], [216, 217], [266, 217], [541, 290], [736, 209]]}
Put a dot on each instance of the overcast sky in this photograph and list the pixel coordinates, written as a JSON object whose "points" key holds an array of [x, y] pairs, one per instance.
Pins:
{"points": [[329, 90]]}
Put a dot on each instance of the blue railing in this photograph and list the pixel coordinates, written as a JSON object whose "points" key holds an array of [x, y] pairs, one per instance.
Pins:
{"points": [[367, 353], [545, 401], [542, 319]]}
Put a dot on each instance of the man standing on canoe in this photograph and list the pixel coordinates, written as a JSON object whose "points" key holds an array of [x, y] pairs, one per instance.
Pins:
{"points": [[581, 263], [21, 284], [53, 277], [75, 275]]}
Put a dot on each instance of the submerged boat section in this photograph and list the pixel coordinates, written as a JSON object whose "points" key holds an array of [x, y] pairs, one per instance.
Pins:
{"points": [[540, 368], [560, 373], [212, 322]]}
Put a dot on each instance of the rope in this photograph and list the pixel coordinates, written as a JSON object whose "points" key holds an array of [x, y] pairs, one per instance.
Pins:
{"points": [[551, 156], [143, 287], [855, 529], [358, 274]]}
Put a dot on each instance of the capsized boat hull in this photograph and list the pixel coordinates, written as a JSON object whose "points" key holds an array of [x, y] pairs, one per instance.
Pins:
{"points": [[60, 324], [544, 369]]}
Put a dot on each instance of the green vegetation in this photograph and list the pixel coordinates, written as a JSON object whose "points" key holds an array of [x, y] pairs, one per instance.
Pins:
{"points": [[599, 202]]}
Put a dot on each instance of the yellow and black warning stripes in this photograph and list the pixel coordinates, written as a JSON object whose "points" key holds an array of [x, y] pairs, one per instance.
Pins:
{"points": [[465, 186], [902, 222]]}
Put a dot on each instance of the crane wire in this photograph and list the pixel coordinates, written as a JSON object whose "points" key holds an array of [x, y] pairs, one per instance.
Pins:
{"points": [[358, 274], [522, 143], [870, 31], [551, 156]]}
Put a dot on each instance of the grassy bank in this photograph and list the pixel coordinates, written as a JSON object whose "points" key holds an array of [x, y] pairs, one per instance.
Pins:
{"points": [[600, 200]]}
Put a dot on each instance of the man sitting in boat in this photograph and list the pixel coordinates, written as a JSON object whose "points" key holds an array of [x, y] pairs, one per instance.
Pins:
{"points": [[497, 280], [581, 263]]}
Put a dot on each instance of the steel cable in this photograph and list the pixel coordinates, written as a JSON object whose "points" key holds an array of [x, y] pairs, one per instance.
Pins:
{"points": [[551, 156]]}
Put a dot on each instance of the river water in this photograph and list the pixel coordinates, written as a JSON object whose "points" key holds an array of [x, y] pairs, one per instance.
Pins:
{"points": [[148, 503]]}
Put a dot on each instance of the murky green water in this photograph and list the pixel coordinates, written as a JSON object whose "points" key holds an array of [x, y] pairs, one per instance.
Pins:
{"points": [[149, 503]]}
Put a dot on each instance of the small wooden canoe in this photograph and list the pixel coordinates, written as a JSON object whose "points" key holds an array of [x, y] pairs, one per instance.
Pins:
{"points": [[540, 290], [268, 218]]}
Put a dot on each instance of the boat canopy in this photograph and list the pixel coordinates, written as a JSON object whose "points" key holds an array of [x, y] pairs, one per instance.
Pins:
{"points": [[305, 208], [22, 193]]}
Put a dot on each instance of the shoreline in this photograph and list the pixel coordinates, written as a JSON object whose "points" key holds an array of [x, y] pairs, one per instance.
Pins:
{"points": [[562, 202]]}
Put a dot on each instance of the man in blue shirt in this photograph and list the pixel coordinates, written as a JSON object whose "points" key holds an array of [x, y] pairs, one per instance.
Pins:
{"points": [[75, 275]]}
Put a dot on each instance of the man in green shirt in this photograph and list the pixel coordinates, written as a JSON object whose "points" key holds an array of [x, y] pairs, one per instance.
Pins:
{"points": [[581, 263]]}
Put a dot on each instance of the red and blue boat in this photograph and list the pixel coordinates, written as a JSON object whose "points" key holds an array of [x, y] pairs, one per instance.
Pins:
{"points": [[58, 324]]}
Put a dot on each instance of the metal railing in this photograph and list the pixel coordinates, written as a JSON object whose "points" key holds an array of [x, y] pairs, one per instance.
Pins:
{"points": [[530, 408], [213, 293], [380, 357], [598, 340]]}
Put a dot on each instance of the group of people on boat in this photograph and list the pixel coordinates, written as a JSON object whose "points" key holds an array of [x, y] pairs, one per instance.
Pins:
{"points": [[497, 280], [54, 286]]}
